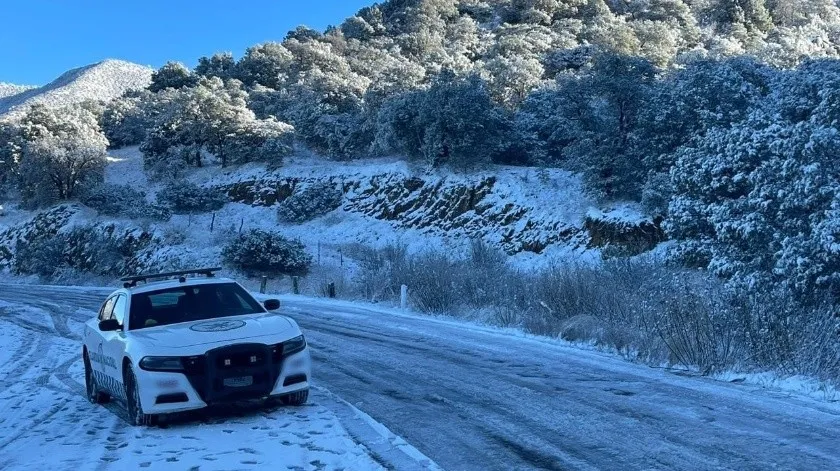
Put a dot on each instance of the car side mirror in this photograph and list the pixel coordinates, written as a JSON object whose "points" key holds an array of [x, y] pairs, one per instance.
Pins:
{"points": [[109, 325], [272, 304]]}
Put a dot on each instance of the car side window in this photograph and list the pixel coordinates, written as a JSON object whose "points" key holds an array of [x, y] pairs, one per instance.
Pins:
{"points": [[107, 309], [119, 309]]}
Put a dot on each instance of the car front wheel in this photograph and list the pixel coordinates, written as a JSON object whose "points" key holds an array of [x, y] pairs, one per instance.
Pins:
{"points": [[136, 416], [94, 395], [296, 398]]}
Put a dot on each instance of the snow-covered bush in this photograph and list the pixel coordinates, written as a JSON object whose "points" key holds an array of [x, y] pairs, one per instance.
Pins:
{"points": [[92, 249], [640, 308], [378, 276], [310, 203], [262, 252], [123, 201], [189, 198], [756, 202]]}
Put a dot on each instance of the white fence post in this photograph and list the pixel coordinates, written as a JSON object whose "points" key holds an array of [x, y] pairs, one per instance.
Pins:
{"points": [[403, 296]]}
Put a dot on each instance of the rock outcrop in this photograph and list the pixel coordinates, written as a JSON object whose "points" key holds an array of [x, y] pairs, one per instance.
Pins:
{"points": [[495, 207]]}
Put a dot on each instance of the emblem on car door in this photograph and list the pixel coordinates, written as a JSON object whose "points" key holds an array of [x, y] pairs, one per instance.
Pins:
{"points": [[216, 326], [99, 357]]}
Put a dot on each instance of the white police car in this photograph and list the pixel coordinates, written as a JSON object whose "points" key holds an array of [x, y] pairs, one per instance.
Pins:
{"points": [[185, 343]]}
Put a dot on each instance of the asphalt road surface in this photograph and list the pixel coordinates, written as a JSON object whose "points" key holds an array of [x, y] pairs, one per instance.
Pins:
{"points": [[475, 398]]}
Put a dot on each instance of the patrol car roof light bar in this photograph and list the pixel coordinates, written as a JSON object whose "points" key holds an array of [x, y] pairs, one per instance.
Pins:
{"points": [[131, 281]]}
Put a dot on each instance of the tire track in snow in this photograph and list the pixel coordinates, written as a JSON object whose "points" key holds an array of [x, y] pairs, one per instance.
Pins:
{"points": [[23, 350], [39, 420], [36, 328], [42, 344]]}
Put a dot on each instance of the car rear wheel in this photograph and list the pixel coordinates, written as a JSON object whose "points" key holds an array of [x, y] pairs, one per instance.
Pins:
{"points": [[94, 394], [136, 416]]}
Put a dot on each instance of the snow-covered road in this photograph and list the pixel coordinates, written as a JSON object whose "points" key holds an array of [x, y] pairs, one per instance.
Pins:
{"points": [[476, 398], [47, 424], [465, 396]]}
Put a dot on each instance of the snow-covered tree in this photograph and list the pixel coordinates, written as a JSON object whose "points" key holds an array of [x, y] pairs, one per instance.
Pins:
{"points": [[685, 104], [172, 75], [756, 202], [63, 151], [213, 118], [264, 64], [587, 123], [126, 120], [220, 65], [454, 122], [11, 146]]}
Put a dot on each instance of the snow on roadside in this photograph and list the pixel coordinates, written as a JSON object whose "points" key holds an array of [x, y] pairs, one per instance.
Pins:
{"points": [[794, 385]]}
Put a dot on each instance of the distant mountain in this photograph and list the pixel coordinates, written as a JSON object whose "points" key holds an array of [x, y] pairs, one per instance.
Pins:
{"points": [[105, 80], [9, 89]]}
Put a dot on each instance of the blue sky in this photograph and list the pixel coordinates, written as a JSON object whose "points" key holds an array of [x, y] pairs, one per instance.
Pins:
{"points": [[41, 39]]}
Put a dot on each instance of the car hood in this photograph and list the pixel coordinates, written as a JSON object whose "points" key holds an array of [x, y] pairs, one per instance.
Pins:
{"points": [[226, 329]]}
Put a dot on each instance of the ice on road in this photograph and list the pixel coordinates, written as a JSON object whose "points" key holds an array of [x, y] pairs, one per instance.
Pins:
{"points": [[473, 398]]}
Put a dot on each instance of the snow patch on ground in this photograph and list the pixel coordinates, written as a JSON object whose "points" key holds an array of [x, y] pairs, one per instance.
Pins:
{"points": [[623, 213], [793, 385], [125, 167]]}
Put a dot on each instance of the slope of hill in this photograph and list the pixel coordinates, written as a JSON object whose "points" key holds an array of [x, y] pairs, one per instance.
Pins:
{"points": [[102, 81], [10, 89]]}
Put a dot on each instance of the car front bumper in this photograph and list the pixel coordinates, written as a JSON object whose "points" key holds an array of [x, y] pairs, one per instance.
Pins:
{"points": [[164, 392]]}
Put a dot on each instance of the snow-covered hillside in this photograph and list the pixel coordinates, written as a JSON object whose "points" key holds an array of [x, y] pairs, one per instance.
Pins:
{"points": [[534, 215], [102, 81], [531, 214], [10, 89]]}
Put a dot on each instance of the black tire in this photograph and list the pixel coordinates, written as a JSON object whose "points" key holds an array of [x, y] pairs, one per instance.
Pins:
{"points": [[298, 398], [136, 416], [93, 393]]}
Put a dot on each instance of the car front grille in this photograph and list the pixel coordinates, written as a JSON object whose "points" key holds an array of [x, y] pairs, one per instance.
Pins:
{"points": [[235, 372]]}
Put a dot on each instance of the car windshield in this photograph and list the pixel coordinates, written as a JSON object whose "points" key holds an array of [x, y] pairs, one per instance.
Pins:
{"points": [[190, 303]]}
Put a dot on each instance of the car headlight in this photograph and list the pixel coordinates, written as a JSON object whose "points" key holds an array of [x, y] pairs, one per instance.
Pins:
{"points": [[294, 345], [162, 364]]}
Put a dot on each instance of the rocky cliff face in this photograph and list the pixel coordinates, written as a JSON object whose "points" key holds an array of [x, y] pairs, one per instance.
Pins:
{"points": [[130, 248], [513, 209], [520, 211], [42, 226]]}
